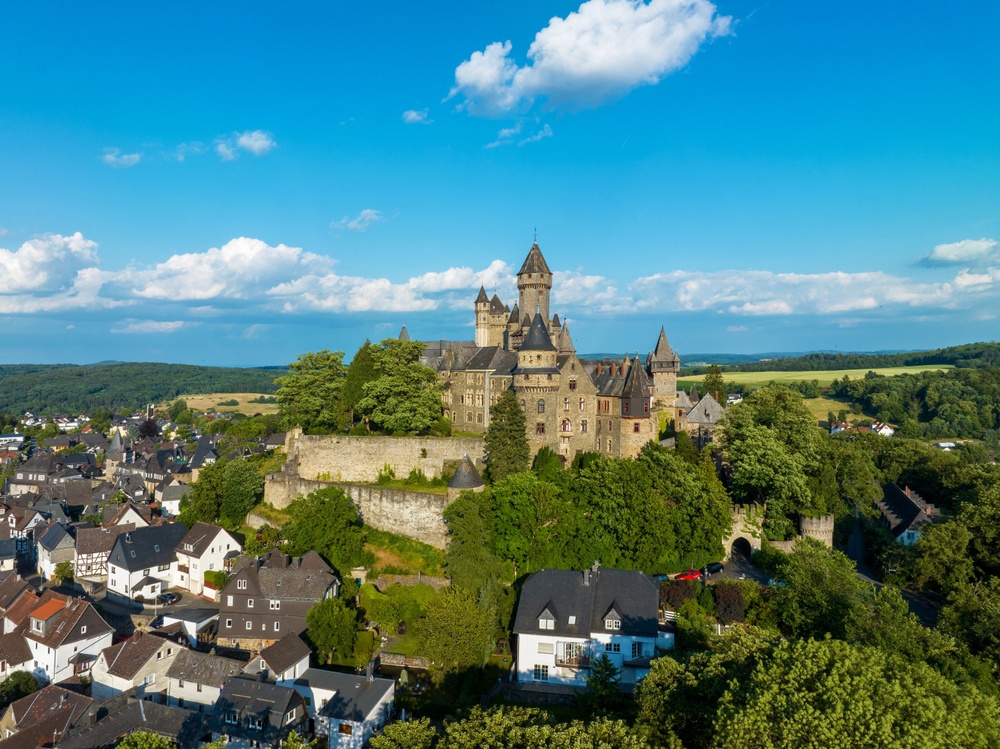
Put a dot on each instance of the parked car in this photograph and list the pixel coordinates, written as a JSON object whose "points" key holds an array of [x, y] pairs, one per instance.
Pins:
{"points": [[777, 582], [712, 568], [166, 599], [689, 575]]}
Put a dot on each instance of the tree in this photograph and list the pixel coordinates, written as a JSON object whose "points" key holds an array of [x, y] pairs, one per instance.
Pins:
{"points": [[457, 632], [413, 734], [63, 572], [310, 394], [294, 741], [204, 501], [146, 740], [469, 559], [176, 408], [327, 522], [822, 590], [943, 557], [19, 684], [405, 395], [533, 728], [506, 442], [713, 383], [360, 372], [242, 490], [148, 428], [603, 694], [332, 628]]}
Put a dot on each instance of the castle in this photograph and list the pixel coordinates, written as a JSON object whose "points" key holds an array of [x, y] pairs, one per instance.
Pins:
{"points": [[571, 405]]}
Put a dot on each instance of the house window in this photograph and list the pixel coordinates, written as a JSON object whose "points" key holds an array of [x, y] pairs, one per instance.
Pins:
{"points": [[249, 625], [635, 427], [541, 672], [232, 718], [583, 403], [229, 623], [645, 408], [290, 716], [277, 626], [180, 683], [133, 555], [83, 629], [565, 426], [198, 688], [345, 729], [546, 623], [583, 425], [572, 619], [637, 650], [541, 406], [540, 427], [156, 547], [572, 384], [612, 647], [149, 679], [229, 600], [145, 572], [275, 604], [241, 585], [546, 648], [249, 603], [612, 623], [625, 407], [565, 404]]}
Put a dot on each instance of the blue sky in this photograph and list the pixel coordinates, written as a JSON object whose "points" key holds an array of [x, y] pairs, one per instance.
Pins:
{"points": [[238, 183]]}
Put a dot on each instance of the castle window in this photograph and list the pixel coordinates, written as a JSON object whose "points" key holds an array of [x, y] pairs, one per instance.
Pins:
{"points": [[540, 427], [565, 426], [479, 418], [635, 427], [609, 445], [541, 406], [523, 407], [583, 425], [624, 407], [565, 404], [461, 399], [583, 403], [468, 416], [572, 384], [609, 425]]}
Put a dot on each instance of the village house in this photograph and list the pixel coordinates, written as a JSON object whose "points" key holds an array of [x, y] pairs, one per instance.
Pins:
{"points": [[183, 729], [285, 660], [268, 598], [65, 636], [905, 513], [347, 709], [205, 548], [565, 619], [195, 679], [139, 663], [252, 714], [43, 718], [93, 547], [54, 544], [142, 563]]}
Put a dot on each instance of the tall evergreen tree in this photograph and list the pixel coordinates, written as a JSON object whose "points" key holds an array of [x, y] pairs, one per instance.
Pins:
{"points": [[507, 449], [360, 372], [713, 383]]}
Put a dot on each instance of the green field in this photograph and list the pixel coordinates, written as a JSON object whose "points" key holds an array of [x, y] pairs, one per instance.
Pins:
{"points": [[823, 376]]}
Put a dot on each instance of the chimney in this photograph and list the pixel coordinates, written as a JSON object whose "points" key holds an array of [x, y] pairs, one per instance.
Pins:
{"points": [[599, 367], [586, 578], [368, 673], [596, 566]]}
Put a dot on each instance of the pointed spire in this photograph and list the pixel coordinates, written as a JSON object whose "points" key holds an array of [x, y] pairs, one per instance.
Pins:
{"points": [[694, 394], [662, 352], [482, 298], [538, 337], [565, 341], [534, 262], [404, 334], [555, 320], [515, 315]]}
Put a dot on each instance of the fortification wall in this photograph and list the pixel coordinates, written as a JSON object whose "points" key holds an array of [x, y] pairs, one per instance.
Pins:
{"points": [[353, 459], [820, 528], [412, 514]]}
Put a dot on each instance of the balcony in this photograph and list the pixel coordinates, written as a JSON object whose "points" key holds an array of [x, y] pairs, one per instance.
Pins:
{"points": [[572, 661]]}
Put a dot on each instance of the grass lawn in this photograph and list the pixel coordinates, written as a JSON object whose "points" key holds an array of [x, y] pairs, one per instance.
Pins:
{"points": [[823, 376], [277, 518], [211, 401], [403, 555], [820, 407], [407, 644], [413, 486]]}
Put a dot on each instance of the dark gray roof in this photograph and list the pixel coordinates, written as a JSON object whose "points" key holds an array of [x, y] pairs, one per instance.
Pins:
{"points": [[205, 451], [637, 384], [129, 656], [184, 726], [707, 411], [199, 538], [538, 336], [96, 540], [481, 298], [355, 696], [404, 334], [285, 653], [905, 510], [514, 315], [52, 536], [175, 492], [496, 306], [534, 262], [260, 699], [278, 576], [147, 547], [492, 359], [633, 595], [466, 477], [203, 668]]}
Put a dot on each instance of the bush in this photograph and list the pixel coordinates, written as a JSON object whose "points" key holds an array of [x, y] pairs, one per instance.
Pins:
{"points": [[706, 600], [359, 431], [673, 593], [730, 605], [769, 558], [230, 402], [387, 474], [217, 579]]}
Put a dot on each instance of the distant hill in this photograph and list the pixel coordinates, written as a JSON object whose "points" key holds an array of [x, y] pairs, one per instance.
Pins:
{"points": [[119, 386], [969, 355]]}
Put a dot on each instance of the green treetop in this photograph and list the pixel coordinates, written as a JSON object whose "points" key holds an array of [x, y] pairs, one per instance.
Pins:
{"points": [[309, 395], [507, 449], [405, 395]]}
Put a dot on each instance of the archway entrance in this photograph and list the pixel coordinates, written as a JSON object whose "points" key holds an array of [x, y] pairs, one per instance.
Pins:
{"points": [[741, 549]]}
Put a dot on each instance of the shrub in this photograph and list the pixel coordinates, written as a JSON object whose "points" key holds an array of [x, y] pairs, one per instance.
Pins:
{"points": [[673, 593], [217, 579], [387, 474], [730, 605]]}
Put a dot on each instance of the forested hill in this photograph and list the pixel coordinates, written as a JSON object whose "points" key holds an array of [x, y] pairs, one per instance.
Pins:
{"points": [[972, 355], [65, 388]]}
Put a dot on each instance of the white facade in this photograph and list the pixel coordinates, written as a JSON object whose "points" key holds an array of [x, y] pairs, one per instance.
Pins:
{"points": [[123, 583], [565, 660], [151, 678], [191, 569], [53, 665], [348, 734]]}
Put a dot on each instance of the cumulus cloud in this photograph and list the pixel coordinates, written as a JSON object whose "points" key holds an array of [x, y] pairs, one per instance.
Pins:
{"points": [[361, 222], [416, 117], [115, 158], [149, 326], [47, 263], [257, 142], [595, 55], [545, 132], [966, 252]]}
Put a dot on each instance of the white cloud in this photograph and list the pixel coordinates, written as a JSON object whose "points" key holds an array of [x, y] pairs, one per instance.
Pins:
{"points": [[595, 55], [243, 268], [545, 132], [257, 142], [737, 328], [589, 292], [193, 148], [46, 263], [359, 223], [968, 251], [416, 117], [114, 157], [149, 326]]}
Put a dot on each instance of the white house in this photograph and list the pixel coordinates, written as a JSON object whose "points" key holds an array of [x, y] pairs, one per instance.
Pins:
{"points": [[142, 563], [204, 548], [285, 660], [566, 619], [346, 708], [195, 679], [140, 662], [65, 636]]}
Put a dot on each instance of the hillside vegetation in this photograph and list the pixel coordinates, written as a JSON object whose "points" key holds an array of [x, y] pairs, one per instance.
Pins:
{"points": [[985, 354], [823, 377], [64, 388]]}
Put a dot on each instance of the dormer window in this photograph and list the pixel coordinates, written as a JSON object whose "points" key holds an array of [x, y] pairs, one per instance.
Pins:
{"points": [[275, 605], [232, 717], [133, 555], [188, 547], [613, 624], [241, 584], [546, 623], [36, 625]]}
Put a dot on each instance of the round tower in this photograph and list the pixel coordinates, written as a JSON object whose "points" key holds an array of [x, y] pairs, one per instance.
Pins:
{"points": [[482, 318], [534, 283]]}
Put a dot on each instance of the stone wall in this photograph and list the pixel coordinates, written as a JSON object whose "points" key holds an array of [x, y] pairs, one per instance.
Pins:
{"points": [[820, 528], [359, 459], [416, 515]]}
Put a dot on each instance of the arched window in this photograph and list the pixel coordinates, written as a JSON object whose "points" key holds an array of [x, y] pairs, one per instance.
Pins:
{"points": [[583, 402], [541, 406], [565, 404], [523, 407], [565, 426]]}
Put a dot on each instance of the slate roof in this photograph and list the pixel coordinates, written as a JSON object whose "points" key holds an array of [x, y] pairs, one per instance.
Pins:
{"points": [[538, 336], [200, 537], [496, 306], [682, 401], [51, 537], [707, 411], [147, 547], [466, 477], [127, 658], [404, 334], [663, 352], [633, 595], [355, 696], [492, 359], [100, 540], [285, 653], [204, 452], [51, 711], [904, 509], [278, 576], [481, 298], [185, 727], [203, 668], [637, 383], [534, 262], [261, 699]]}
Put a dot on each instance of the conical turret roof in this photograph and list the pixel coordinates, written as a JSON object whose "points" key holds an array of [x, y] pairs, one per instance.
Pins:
{"points": [[565, 341], [662, 352], [466, 477], [538, 336], [482, 298], [534, 263], [515, 315], [404, 334]]}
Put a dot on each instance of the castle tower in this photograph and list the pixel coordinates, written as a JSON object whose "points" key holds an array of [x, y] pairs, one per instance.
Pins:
{"points": [[664, 365], [482, 318], [536, 384], [534, 282]]}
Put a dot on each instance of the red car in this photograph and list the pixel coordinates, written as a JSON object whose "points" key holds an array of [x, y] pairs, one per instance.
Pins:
{"points": [[689, 575]]}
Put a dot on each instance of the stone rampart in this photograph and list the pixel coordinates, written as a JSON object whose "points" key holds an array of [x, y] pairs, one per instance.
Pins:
{"points": [[359, 459]]}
